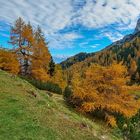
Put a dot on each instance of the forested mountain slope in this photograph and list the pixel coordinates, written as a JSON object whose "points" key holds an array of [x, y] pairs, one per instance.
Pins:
{"points": [[74, 59], [126, 50]]}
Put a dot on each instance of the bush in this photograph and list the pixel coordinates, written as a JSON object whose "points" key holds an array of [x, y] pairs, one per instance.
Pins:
{"points": [[49, 86], [67, 94]]}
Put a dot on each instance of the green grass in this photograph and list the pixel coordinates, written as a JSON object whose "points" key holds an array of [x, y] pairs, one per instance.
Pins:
{"points": [[25, 117]]}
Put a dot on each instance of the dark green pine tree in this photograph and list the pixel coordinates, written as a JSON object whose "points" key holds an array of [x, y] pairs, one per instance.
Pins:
{"points": [[51, 67]]}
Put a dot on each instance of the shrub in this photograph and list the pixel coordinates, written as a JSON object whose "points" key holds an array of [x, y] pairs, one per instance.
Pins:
{"points": [[67, 94], [49, 86]]}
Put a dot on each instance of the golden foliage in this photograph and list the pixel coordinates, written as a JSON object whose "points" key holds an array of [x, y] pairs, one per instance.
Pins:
{"points": [[103, 88], [31, 50], [111, 120], [59, 77], [40, 61], [40, 74], [9, 62]]}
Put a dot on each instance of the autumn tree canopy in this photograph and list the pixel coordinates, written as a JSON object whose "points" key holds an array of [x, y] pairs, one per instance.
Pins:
{"points": [[102, 89], [31, 49], [59, 77], [9, 62], [40, 57]]}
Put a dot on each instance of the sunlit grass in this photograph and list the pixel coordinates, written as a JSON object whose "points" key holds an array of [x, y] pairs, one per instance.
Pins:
{"points": [[25, 117]]}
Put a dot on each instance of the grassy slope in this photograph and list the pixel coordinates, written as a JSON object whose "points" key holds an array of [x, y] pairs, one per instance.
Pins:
{"points": [[25, 117]]}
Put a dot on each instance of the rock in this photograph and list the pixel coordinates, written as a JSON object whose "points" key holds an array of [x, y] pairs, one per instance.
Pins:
{"points": [[137, 29], [32, 93]]}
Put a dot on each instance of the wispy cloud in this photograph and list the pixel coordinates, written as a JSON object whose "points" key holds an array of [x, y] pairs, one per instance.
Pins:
{"points": [[95, 46], [113, 36], [51, 15], [62, 40], [104, 12], [71, 36], [56, 15]]}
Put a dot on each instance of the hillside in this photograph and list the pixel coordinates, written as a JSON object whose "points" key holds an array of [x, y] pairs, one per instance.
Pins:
{"points": [[126, 50], [24, 116], [74, 59]]}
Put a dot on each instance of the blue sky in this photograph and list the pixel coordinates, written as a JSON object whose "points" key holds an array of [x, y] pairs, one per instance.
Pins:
{"points": [[72, 26]]}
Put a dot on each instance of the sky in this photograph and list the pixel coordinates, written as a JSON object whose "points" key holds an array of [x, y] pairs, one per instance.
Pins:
{"points": [[72, 26]]}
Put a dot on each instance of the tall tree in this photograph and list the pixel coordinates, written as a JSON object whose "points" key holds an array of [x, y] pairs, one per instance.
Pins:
{"points": [[40, 57], [31, 49], [51, 67], [16, 33], [17, 39], [27, 34], [133, 68]]}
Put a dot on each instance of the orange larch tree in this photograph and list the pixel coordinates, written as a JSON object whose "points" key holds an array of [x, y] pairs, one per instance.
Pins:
{"points": [[31, 49], [102, 89], [17, 40], [40, 57]]}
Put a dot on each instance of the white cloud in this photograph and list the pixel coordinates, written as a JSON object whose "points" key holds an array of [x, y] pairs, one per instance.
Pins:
{"points": [[71, 36], [55, 15], [61, 41], [62, 56], [59, 58], [123, 12], [95, 46], [113, 36]]}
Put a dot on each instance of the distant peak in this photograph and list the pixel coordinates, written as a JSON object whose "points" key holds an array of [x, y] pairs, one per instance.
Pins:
{"points": [[137, 29]]}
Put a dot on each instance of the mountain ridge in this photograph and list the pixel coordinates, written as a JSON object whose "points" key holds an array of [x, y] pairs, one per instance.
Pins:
{"points": [[127, 38]]}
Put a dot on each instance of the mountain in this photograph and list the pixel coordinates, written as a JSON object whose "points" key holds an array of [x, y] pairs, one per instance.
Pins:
{"points": [[74, 59], [82, 56], [24, 116], [137, 29], [126, 50]]}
